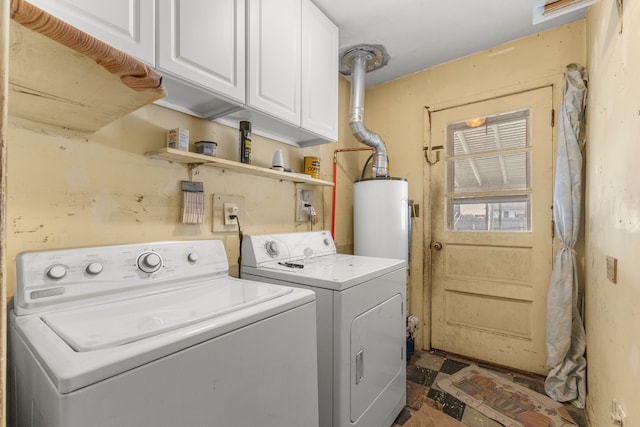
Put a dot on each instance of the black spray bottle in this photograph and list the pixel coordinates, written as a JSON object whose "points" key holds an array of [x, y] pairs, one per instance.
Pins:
{"points": [[245, 142]]}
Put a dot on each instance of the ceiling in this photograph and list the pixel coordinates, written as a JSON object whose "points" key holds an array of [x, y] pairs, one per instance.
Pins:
{"points": [[419, 34]]}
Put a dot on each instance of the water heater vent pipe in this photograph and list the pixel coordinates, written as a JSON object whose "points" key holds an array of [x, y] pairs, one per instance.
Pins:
{"points": [[358, 60]]}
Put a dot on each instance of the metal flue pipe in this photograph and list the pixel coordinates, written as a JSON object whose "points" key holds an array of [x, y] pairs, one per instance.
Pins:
{"points": [[358, 61]]}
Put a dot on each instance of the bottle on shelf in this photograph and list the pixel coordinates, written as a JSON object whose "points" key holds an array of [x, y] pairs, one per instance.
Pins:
{"points": [[245, 142]]}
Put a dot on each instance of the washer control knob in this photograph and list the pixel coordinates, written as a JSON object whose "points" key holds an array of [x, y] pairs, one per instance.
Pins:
{"points": [[94, 268], [149, 262], [193, 257], [326, 242], [273, 249], [57, 272]]}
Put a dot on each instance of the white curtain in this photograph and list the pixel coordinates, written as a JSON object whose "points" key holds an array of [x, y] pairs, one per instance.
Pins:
{"points": [[566, 341]]}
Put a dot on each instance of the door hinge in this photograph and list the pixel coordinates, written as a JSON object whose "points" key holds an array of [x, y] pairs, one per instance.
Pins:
{"points": [[553, 117], [553, 229]]}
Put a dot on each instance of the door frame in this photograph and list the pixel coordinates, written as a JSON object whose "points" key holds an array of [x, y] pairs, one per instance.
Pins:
{"points": [[431, 156]]}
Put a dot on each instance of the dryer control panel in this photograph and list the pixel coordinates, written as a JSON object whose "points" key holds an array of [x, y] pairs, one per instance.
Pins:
{"points": [[286, 247], [48, 279]]}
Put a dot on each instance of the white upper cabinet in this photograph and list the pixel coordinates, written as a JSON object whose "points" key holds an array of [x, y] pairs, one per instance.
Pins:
{"points": [[292, 72], [203, 41], [319, 72], [271, 62], [274, 69], [127, 25]]}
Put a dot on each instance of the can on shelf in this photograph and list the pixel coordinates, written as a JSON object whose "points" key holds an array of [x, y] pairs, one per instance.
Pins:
{"points": [[312, 166]]}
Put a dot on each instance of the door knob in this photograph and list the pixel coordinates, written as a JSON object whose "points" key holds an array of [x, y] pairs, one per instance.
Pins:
{"points": [[437, 246]]}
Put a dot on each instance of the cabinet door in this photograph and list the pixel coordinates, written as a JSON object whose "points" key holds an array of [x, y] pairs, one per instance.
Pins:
{"points": [[128, 25], [319, 72], [274, 58], [203, 42]]}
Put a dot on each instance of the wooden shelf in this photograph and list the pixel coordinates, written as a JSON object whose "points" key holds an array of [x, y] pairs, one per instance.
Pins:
{"points": [[62, 77], [186, 157]]}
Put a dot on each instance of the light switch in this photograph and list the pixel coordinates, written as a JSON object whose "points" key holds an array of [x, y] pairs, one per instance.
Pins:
{"points": [[612, 269]]}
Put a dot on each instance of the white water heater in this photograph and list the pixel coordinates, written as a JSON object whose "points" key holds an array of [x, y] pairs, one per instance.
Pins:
{"points": [[381, 221]]}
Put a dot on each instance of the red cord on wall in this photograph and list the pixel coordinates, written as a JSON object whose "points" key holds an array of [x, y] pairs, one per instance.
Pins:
{"points": [[333, 202], [335, 183]]}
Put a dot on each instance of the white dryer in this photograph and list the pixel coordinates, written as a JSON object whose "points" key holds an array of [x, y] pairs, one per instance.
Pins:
{"points": [[157, 335], [360, 305]]}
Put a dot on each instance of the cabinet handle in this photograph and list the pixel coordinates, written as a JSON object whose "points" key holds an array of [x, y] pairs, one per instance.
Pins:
{"points": [[359, 366]]}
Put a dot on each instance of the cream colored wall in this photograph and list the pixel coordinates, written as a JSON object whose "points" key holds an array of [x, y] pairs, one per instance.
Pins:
{"points": [[396, 110], [68, 191], [613, 211]]}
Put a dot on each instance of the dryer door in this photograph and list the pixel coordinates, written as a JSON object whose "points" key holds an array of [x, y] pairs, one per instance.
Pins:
{"points": [[376, 350]]}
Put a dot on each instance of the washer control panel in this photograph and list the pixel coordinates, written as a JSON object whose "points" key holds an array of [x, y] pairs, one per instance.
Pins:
{"points": [[59, 277]]}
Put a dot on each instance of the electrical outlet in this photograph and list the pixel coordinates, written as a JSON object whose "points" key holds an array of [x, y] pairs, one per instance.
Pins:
{"points": [[230, 209], [304, 201], [225, 205]]}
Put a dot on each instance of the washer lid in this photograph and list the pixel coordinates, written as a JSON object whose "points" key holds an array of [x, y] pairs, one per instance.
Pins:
{"points": [[121, 322]]}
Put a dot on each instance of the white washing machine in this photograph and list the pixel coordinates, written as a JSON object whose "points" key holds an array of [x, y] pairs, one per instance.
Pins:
{"points": [[158, 334], [360, 316]]}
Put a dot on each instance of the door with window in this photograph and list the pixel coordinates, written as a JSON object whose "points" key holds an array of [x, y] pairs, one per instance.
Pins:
{"points": [[491, 236]]}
